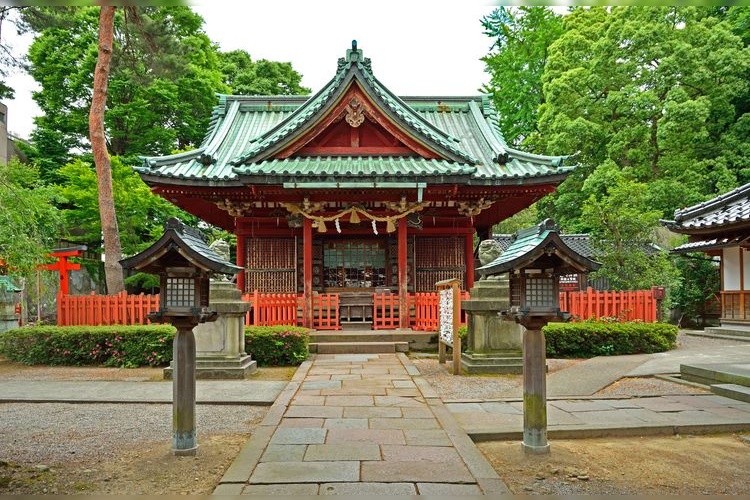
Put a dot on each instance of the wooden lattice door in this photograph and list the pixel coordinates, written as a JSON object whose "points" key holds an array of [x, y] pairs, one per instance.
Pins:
{"points": [[437, 259], [271, 265]]}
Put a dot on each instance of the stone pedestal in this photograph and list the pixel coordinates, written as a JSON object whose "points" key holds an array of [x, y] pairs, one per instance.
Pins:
{"points": [[494, 345], [220, 345]]}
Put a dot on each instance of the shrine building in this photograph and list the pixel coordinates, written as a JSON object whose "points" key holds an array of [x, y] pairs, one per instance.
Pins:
{"points": [[354, 191]]}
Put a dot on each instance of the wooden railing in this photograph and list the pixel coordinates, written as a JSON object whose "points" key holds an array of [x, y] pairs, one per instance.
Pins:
{"points": [[120, 309], [385, 313], [735, 305], [269, 309], [427, 311], [627, 305]]}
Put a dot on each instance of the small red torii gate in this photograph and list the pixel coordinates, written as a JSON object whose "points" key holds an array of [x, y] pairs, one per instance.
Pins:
{"points": [[63, 265]]}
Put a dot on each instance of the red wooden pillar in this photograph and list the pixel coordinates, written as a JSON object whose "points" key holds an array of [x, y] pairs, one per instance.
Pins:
{"points": [[403, 290], [241, 262], [469, 254], [307, 309]]}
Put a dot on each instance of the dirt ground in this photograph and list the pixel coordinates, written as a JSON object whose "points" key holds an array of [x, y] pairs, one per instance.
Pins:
{"points": [[651, 465], [679, 465]]}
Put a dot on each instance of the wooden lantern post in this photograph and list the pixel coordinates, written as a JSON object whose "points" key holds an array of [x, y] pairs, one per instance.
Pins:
{"points": [[184, 263]]}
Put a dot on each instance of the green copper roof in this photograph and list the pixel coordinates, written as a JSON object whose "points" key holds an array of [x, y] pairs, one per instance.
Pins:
{"points": [[246, 131], [532, 243], [7, 285]]}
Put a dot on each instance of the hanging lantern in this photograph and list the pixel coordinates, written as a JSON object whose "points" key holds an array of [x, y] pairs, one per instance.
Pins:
{"points": [[390, 226], [354, 219]]}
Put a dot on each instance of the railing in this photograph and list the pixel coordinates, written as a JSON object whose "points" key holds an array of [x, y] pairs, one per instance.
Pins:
{"points": [[120, 309], [385, 313], [269, 309], [627, 305], [735, 305]]}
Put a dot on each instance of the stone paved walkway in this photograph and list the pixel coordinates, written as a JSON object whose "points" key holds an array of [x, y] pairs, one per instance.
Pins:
{"points": [[360, 424]]}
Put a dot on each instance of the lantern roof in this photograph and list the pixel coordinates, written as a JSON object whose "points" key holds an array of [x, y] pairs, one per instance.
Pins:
{"points": [[178, 245], [532, 244], [306, 139]]}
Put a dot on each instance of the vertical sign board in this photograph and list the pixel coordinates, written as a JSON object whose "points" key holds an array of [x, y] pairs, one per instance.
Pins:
{"points": [[449, 293]]}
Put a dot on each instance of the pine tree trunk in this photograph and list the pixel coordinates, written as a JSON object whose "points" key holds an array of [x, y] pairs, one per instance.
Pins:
{"points": [[112, 247]]}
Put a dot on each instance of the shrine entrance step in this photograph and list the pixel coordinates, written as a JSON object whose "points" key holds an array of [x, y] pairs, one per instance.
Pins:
{"points": [[416, 340], [358, 347]]}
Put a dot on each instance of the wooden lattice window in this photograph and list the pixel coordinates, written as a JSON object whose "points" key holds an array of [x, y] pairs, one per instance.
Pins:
{"points": [[540, 292], [180, 292], [271, 265], [438, 259], [354, 264]]}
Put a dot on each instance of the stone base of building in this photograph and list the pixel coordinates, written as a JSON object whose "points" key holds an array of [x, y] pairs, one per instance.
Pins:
{"points": [[220, 368], [510, 362]]}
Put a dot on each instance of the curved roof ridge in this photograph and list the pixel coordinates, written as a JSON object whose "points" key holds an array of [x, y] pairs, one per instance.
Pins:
{"points": [[498, 147], [709, 205], [356, 67]]}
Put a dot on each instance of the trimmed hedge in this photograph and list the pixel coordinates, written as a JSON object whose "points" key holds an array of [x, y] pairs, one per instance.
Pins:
{"points": [[592, 338], [125, 346], [277, 345]]}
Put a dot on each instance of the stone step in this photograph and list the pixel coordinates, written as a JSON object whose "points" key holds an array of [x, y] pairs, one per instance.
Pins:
{"points": [[358, 347], [734, 391], [732, 336], [710, 374], [417, 340], [734, 331]]}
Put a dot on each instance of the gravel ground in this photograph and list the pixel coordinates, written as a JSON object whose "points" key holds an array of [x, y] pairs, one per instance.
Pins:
{"points": [[44, 433]]}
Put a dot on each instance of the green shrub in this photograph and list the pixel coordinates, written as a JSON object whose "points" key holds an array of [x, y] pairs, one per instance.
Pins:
{"points": [[600, 338], [125, 346], [463, 334], [277, 345]]}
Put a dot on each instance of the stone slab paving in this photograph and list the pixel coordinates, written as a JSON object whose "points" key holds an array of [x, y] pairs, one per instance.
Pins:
{"points": [[240, 392], [360, 424], [697, 413]]}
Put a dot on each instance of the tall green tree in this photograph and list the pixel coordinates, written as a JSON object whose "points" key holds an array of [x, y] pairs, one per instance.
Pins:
{"points": [[244, 76], [30, 224], [107, 216], [522, 36], [653, 90], [140, 213], [162, 84], [622, 230]]}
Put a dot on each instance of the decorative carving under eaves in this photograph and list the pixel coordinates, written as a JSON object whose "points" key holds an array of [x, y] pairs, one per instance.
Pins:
{"points": [[234, 209], [355, 113], [402, 206], [310, 207], [470, 209]]}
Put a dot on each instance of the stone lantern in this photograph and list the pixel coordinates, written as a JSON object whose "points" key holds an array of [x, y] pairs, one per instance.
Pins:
{"points": [[184, 264], [534, 262]]}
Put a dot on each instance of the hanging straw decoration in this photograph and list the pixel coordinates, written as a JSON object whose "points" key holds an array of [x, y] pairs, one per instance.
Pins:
{"points": [[354, 213]]}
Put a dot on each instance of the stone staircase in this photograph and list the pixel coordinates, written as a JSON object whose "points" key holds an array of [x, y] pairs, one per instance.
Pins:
{"points": [[731, 380], [371, 341], [730, 332]]}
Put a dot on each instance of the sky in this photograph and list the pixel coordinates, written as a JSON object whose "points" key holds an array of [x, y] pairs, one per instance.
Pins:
{"points": [[417, 47]]}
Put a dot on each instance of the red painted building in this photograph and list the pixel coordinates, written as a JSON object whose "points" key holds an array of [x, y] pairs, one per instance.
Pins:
{"points": [[353, 190]]}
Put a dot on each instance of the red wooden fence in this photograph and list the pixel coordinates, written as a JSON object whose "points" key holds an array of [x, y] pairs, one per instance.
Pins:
{"points": [[270, 309], [627, 305], [120, 309], [284, 309]]}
